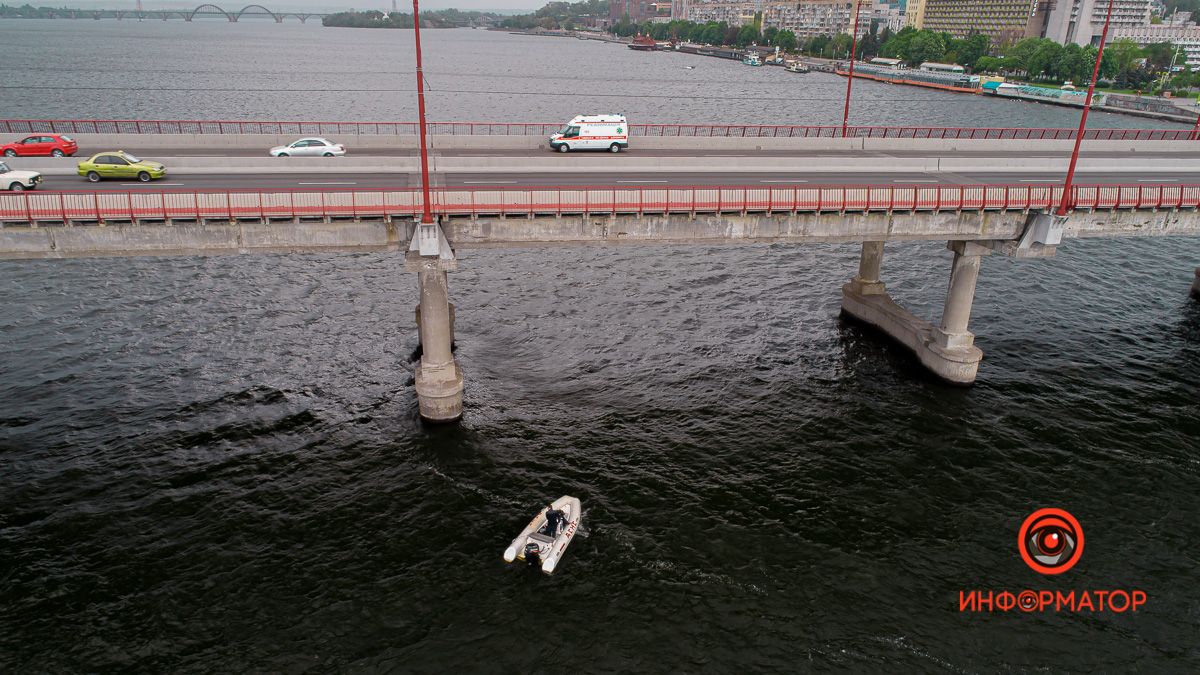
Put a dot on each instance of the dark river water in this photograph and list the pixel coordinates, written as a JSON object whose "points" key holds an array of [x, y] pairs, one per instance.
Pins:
{"points": [[215, 464]]}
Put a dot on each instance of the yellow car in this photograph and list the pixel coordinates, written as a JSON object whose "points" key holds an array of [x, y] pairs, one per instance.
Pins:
{"points": [[120, 164]]}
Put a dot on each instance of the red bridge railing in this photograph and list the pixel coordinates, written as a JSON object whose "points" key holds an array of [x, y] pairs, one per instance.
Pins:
{"points": [[69, 207], [218, 127]]}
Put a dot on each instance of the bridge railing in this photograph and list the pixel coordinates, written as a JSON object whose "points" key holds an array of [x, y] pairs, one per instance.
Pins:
{"points": [[219, 127], [405, 202]]}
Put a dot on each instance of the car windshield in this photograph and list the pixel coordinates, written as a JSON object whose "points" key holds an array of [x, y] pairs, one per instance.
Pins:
{"points": [[3, 168], [131, 158], [67, 139]]}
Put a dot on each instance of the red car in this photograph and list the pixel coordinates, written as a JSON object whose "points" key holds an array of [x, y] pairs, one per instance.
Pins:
{"points": [[56, 145]]}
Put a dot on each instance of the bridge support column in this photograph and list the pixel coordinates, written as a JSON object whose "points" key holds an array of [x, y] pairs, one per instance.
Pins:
{"points": [[439, 379], [1196, 285], [947, 351]]}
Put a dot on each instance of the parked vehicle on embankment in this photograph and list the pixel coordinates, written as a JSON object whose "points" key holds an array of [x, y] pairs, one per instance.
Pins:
{"points": [[592, 132], [18, 181]]}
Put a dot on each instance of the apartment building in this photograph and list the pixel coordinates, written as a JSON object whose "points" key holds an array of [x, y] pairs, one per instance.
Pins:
{"points": [[1002, 20], [732, 12], [914, 14], [1185, 37], [1082, 21]]}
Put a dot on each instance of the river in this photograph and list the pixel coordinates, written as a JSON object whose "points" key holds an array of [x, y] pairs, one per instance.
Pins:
{"points": [[215, 464]]}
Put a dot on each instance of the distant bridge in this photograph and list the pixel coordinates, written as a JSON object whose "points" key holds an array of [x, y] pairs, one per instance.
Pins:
{"points": [[205, 11]]}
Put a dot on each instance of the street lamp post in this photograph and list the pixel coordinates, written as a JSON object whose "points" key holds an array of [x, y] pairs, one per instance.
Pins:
{"points": [[850, 77], [426, 215], [1065, 205]]}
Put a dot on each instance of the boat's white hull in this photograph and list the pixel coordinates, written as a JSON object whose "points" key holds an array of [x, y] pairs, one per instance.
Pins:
{"points": [[552, 550]]}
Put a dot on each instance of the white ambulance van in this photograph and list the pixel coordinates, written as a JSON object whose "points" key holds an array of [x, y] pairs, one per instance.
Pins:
{"points": [[592, 132]]}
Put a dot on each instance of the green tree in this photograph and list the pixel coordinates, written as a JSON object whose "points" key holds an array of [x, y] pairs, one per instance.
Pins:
{"points": [[897, 46], [1043, 60], [1017, 57], [747, 35], [1070, 64], [970, 50], [786, 40], [839, 47], [925, 46], [1159, 55], [819, 44], [1122, 55]]}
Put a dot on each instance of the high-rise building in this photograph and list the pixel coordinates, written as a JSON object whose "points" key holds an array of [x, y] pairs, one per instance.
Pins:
{"points": [[731, 12], [805, 18], [1002, 20], [914, 14], [637, 10], [1082, 21], [1185, 38]]}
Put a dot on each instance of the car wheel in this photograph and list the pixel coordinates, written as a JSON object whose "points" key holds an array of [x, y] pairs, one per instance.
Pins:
{"points": [[10, 153], [564, 148], [143, 176], [93, 177], [56, 152], [329, 154], [16, 187], [614, 148], [282, 154]]}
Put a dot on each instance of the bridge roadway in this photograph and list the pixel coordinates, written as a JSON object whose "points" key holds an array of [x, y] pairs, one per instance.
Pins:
{"points": [[250, 168]]}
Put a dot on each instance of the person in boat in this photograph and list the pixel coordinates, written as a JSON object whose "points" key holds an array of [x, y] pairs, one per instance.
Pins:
{"points": [[554, 520]]}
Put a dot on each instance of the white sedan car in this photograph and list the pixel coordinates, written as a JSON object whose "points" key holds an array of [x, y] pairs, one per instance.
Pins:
{"points": [[18, 180], [309, 147]]}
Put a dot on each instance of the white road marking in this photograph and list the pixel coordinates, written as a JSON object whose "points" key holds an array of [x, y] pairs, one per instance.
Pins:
{"points": [[641, 181], [489, 182], [783, 181], [1157, 180], [914, 181], [329, 183]]}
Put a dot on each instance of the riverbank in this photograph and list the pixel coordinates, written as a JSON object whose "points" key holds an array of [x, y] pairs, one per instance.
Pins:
{"points": [[1183, 111]]}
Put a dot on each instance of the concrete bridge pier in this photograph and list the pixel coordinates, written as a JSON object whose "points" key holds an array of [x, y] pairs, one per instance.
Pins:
{"points": [[439, 379], [948, 350]]}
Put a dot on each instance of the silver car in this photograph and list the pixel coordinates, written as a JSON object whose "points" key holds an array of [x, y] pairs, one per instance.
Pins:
{"points": [[309, 147]]}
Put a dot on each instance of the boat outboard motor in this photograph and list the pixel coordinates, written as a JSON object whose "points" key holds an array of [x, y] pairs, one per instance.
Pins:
{"points": [[533, 554]]}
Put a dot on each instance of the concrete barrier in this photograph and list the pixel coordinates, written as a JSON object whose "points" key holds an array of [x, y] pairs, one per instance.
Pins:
{"points": [[606, 166]]}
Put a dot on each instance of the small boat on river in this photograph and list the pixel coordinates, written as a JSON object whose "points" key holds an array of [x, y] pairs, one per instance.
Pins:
{"points": [[752, 59], [540, 547]]}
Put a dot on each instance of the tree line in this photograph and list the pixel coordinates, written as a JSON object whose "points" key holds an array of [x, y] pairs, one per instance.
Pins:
{"points": [[442, 18]]}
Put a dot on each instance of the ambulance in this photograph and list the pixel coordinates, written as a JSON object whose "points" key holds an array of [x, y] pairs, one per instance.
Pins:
{"points": [[592, 132]]}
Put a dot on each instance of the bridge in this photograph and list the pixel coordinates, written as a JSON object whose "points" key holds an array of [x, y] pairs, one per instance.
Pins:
{"points": [[985, 192], [204, 11]]}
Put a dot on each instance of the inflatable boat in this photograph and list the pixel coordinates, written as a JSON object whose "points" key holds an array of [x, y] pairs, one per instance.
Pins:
{"points": [[537, 545]]}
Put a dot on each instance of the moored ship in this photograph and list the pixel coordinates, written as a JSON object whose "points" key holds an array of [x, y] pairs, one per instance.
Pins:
{"points": [[945, 76], [643, 43]]}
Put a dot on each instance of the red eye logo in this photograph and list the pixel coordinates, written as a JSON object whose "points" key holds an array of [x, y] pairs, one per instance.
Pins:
{"points": [[1050, 541]]}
